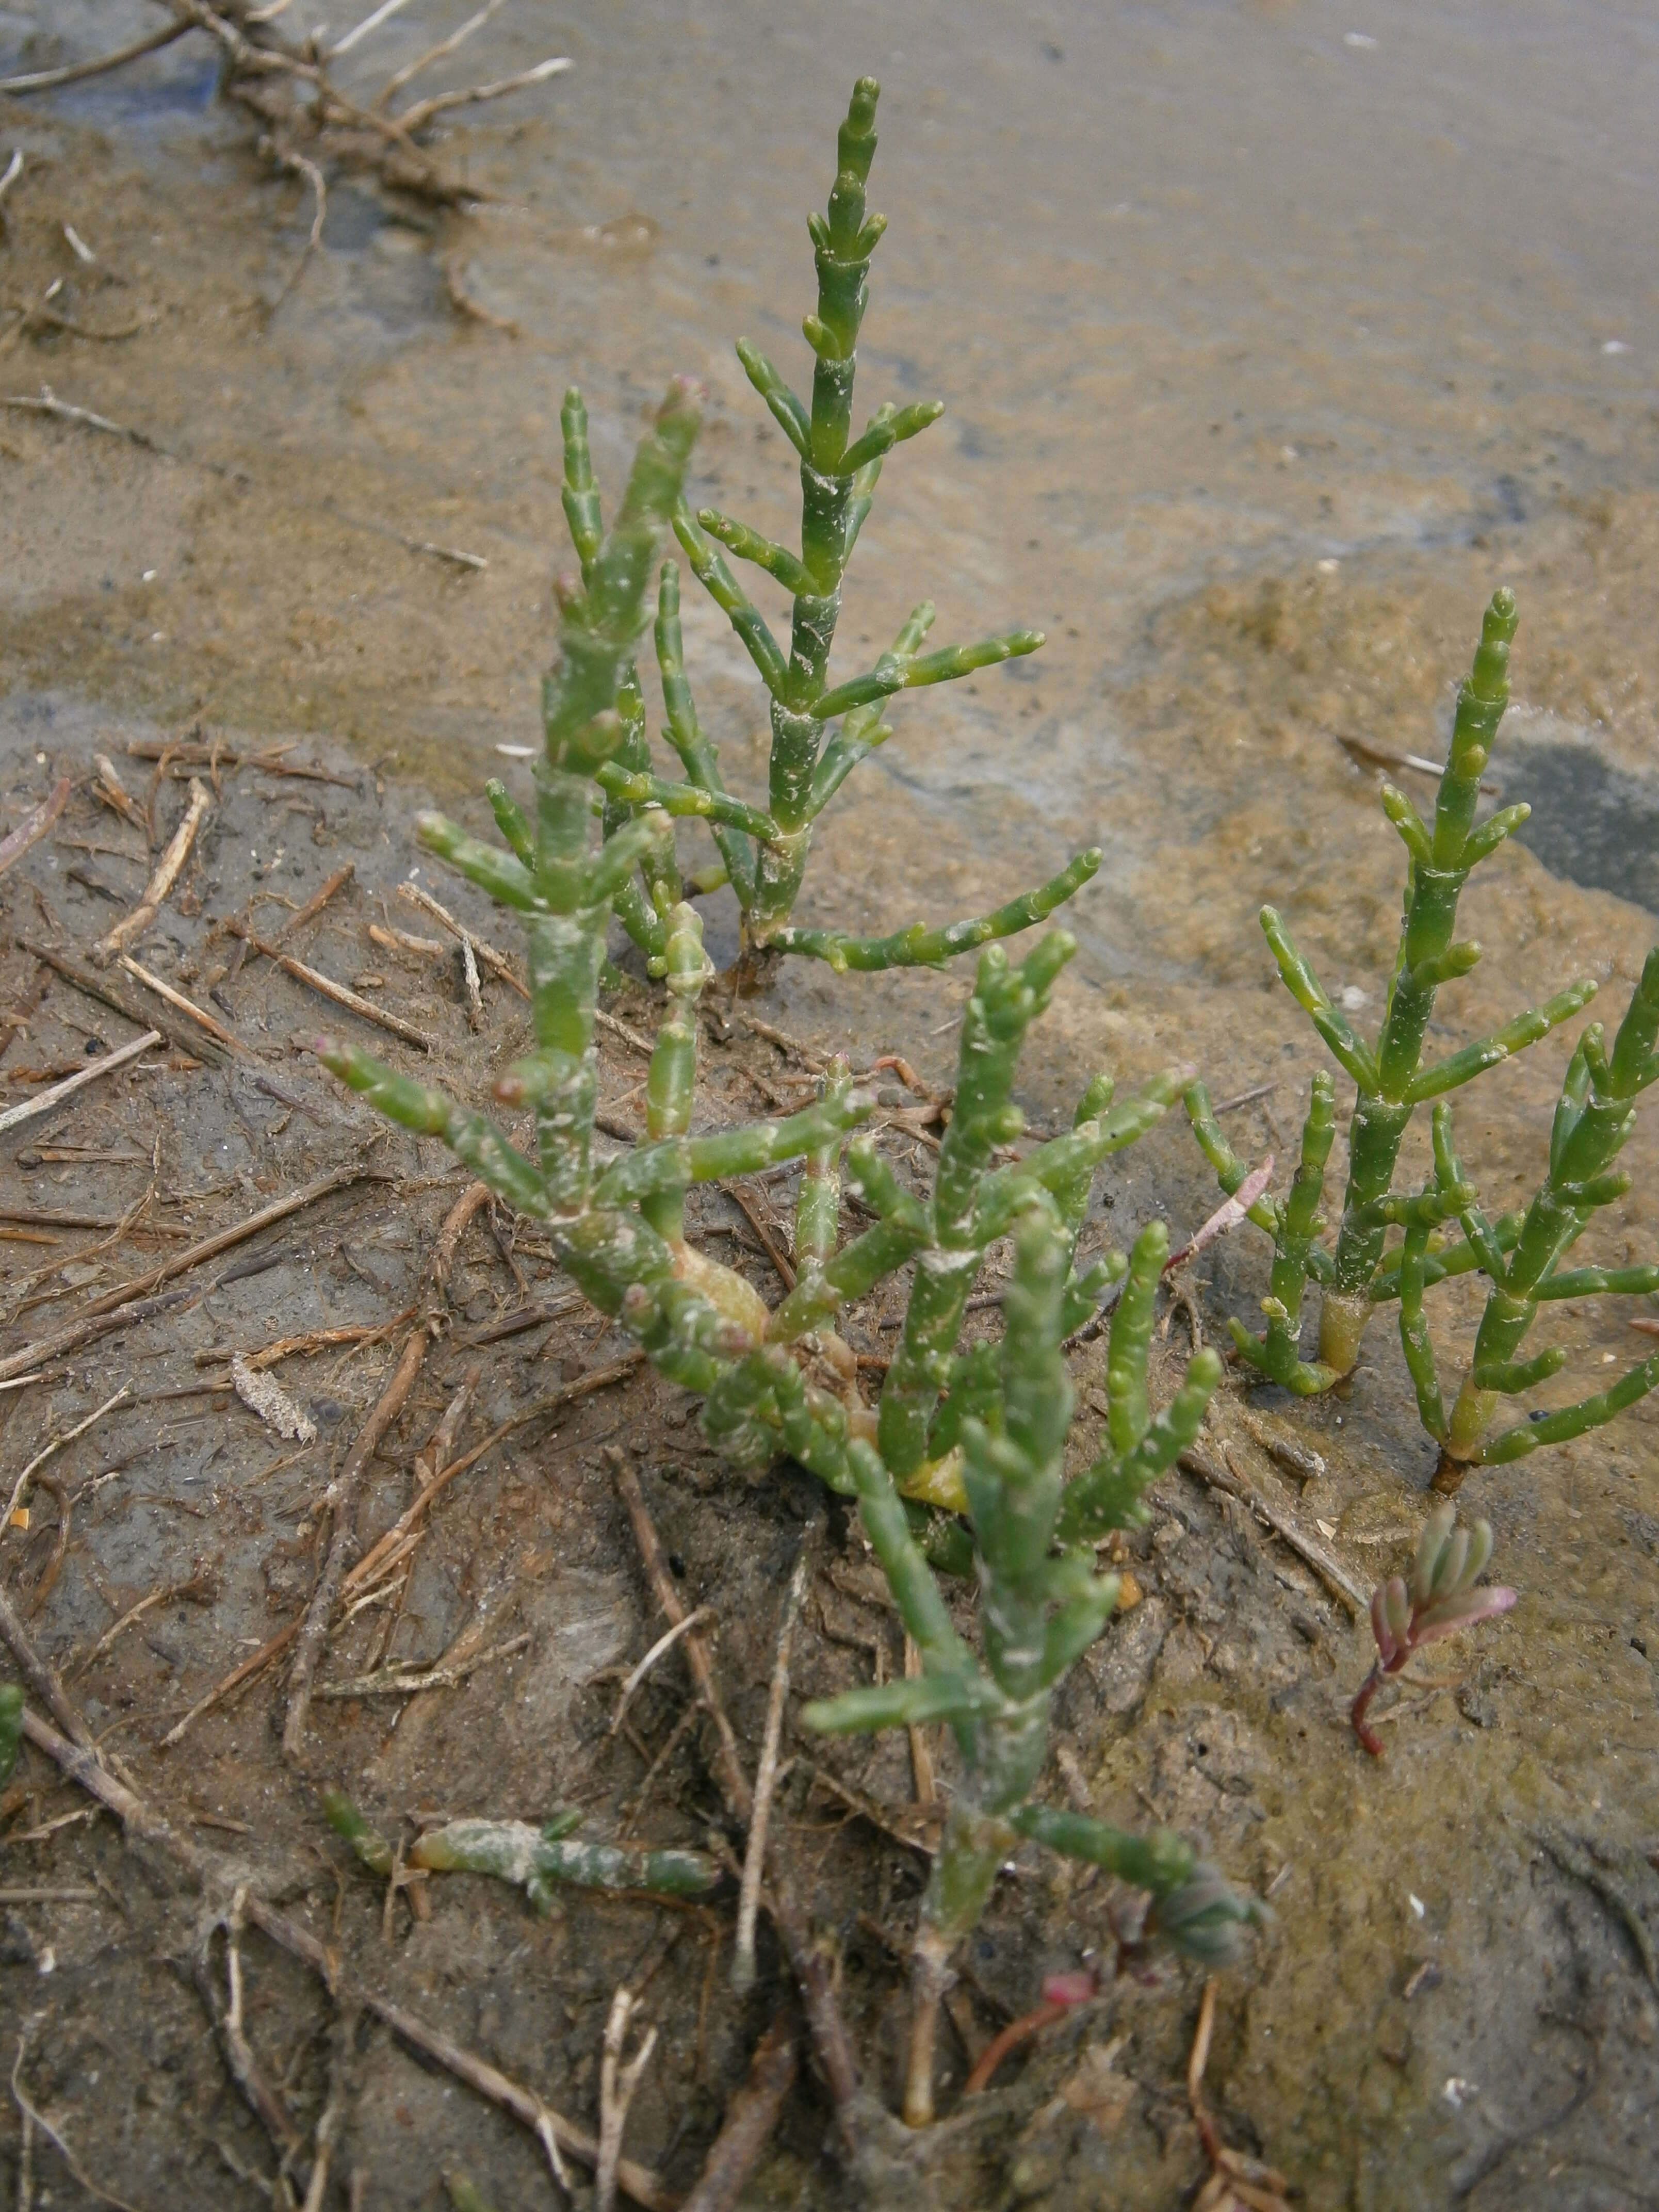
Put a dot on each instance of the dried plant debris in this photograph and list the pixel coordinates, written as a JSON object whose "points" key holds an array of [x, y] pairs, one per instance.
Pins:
{"points": [[263, 1395], [290, 86]]}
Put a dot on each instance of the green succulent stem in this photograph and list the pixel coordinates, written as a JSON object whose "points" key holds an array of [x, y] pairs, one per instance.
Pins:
{"points": [[11, 1727], [1391, 1080], [1278, 1353], [542, 1860], [1594, 1119], [921, 947], [366, 1840], [1040, 1609], [808, 763]]}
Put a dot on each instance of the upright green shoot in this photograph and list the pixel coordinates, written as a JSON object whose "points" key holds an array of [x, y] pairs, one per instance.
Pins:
{"points": [[763, 850], [1041, 1605]]}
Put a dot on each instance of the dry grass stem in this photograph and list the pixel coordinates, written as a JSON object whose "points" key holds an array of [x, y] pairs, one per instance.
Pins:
{"points": [[31, 1108], [472, 1202], [497, 963], [395, 1683], [60, 410], [341, 1499], [264, 2101], [198, 1585], [41, 1677], [328, 988], [167, 871], [318, 899], [1237, 2183], [78, 72], [48, 1450], [445, 47], [98, 984], [34, 825], [618, 2083], [362, 1334], [177, 999], [766, 1776], [1198, 1459], [734, 1783], [128, 1302], [756, 1215], [664, 1644], [34, 2117], [749, 2119]]}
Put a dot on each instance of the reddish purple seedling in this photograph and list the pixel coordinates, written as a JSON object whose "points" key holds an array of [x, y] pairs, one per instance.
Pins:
{"points": [[1440, 1599]]}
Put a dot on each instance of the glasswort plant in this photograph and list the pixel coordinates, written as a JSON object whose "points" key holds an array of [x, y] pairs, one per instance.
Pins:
{"points": [[1519, 1253], [764, 852], [979, 1430], [1440, 1599], [1041, 1605]]}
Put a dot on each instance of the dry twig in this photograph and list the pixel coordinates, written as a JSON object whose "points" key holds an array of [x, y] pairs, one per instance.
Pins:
{"points": [[551, 2129], [48, 403], [318, 899], [34, 2117], [1237, 2183], [34, 826], [341, 1500], [497, 963], [328, 988], [199, 1584], [130, 1301], [41, 1677], [754, 1864], [187, 1006], [749, 2119], [619, 2084], [397, 1682], [78, 72], [734, 1782], [264, 2101], [167, 871], [50, 1449], [31, 1109], [829, 2036], [664, 1644], [97, 984], [1198, 1461]]}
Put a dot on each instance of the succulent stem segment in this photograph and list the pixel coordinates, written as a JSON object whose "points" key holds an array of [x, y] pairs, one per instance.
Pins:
{"points": [[1041, 1605], [540, 1860], [1389, 1078], [763, 850], [1593, 1119], [1520, 1252], [1440, 1599], [11, 1727], [962, 1431]]}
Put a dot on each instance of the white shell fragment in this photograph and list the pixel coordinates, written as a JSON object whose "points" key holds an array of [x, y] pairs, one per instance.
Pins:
{"points": [[266, 1397]]}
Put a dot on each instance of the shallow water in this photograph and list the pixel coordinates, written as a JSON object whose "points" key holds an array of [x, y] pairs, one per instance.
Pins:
{"points": [[1272, 336]]}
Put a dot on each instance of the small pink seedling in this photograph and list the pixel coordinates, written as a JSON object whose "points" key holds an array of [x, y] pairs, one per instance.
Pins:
{"points": [[1440, 1599]]}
